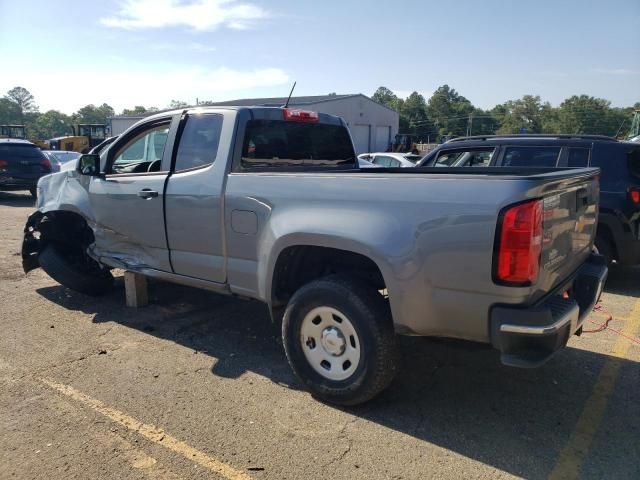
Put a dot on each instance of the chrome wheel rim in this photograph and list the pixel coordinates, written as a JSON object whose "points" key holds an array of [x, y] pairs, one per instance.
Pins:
{"points": [[330, 343]]}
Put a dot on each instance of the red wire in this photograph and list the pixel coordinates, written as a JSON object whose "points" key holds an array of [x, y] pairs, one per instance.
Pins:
{"points": [[605, 325]]}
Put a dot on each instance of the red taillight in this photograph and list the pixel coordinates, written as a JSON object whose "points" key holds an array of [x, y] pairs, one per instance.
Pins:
{"points": [[635, 195], [46, 163], [294, 115], [520, 243], [4, 163]]}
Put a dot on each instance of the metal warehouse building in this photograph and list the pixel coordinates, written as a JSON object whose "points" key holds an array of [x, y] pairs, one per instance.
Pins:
{"points": [[372, 125]]}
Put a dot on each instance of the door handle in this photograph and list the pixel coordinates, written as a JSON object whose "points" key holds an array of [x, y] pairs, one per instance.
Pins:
{"points": [[147, 193]]}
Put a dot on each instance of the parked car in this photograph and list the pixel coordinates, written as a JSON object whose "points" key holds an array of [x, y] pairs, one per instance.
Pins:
{"points": [[59, 158], [390, 159], [22, 164], [269, 203], [618, 237]]}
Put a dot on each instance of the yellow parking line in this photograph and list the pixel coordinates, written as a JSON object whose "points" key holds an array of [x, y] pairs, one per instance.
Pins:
{"points": [[150, 432], [571, 456]]}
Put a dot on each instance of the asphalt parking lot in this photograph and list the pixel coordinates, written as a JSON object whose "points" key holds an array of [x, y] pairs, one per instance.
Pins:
{"points": [[197, 386]]}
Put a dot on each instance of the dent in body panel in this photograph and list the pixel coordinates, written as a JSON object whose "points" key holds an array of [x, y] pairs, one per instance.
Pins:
{"points": [[67, 190]]}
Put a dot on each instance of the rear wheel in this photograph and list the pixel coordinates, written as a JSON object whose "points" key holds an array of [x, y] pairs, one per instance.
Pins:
{"points": [[75, 270], [339, 340]]}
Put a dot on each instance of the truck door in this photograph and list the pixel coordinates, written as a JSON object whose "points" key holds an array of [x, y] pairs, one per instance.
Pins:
{"points": [[128, 202], [193, 202]]}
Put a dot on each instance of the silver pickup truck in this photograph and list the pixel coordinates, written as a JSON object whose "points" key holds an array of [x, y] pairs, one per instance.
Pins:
{"points": [[269, 204]]}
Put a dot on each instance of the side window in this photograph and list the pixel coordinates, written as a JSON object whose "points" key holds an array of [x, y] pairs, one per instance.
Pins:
{"points": [[143, 153], [531, 157], [199, 142], [393, 163], [379, 160], [578, 157], [465, 158], [384, 161]]}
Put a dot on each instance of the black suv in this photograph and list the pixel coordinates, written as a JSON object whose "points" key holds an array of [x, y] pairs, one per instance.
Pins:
{"points": [[618, 236], [21, 165]]}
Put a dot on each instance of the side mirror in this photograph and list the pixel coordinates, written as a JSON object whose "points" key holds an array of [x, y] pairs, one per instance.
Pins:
{"points": [[89, 165]]}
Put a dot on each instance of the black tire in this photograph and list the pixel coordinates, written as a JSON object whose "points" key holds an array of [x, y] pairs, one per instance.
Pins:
{"points": [[89, 279], [34, 192], [604, 248], [370, 316]]}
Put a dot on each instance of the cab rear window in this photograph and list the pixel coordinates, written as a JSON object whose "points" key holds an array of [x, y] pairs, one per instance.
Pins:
{"points": [[276, 143]]}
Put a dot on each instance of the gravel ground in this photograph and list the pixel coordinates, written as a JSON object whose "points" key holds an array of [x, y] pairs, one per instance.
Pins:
{"points": [[197, 386]]}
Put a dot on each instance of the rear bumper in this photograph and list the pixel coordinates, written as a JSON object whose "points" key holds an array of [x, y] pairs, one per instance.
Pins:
{"points": [[528, 337], [18, 182]]}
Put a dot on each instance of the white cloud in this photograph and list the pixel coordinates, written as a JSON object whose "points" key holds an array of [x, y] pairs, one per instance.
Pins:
{"points": [[193, 46], [199, 15], [617, 71], [69, 90]]}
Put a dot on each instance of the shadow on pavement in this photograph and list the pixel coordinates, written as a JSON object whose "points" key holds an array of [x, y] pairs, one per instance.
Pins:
{"points": [[623, 281], [448, 394], [17, 199]]}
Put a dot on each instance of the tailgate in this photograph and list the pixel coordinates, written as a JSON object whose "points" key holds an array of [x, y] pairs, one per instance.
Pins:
{"points": [[570, 219]]}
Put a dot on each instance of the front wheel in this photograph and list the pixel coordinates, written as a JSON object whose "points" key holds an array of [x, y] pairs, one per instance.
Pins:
{"points": [[74, 270], [339, 340]]}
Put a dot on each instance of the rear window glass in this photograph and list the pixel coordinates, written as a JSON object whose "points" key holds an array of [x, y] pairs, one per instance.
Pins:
{"points": [[275, 143], [22, 151], [531, 157], [578, 157]]}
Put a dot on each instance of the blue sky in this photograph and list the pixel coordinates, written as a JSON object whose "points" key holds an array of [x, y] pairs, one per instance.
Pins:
{"points": [[133, 52]]}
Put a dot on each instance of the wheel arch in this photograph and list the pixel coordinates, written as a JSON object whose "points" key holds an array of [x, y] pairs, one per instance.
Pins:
{"points": [[298, 259]]}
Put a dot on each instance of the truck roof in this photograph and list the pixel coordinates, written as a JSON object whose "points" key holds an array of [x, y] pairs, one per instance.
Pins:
{"points": [[265, 112]]}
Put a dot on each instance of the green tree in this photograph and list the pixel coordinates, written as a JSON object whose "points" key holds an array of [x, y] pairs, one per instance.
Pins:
{"points": [[139, 110], [413, 111], [386, 97], [587, 115], [24, 100], [9, 112], [92, 114], [525, 115], [174, 104], [449, 111], [51, 124]]}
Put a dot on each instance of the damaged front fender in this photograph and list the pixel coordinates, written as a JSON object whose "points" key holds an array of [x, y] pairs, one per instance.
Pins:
{"points": [[63, 216]]}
